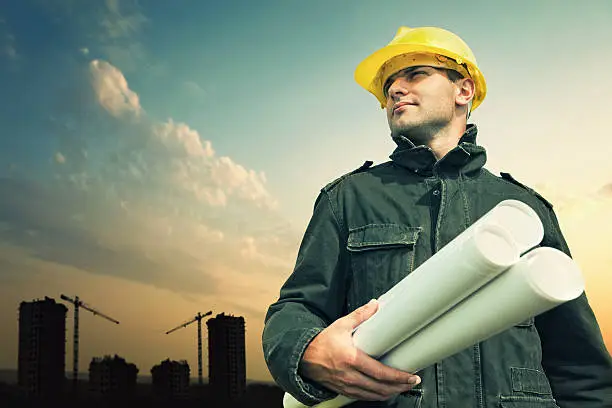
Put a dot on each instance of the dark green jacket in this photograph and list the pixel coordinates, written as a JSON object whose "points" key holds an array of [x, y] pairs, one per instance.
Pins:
{"points": [[412, 206]]}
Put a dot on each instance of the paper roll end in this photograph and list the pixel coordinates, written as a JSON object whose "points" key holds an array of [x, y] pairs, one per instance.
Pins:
{"points": [[526, 226], [554, 275], [497, 246], [290, 402]]}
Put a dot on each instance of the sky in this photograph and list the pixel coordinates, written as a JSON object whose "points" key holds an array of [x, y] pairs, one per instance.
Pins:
{"points": [[161, 159]]}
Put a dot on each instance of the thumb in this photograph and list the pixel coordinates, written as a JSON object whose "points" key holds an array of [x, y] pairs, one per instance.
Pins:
{"points": [[361, 314]]}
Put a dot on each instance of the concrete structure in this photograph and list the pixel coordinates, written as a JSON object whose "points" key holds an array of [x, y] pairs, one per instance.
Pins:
{"points": [[170, 379], [42, 347], [112, 376], [226, 356]]}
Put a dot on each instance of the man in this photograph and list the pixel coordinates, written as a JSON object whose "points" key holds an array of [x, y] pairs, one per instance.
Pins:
{"points": [[373, 226]]}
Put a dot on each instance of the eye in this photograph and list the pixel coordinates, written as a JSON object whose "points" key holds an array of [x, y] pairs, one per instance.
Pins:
{"points": [[386, 88], [408, 75]]}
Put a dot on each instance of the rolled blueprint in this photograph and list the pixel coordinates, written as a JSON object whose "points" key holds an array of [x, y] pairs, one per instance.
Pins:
{"points": [[450, 275], [489, 246], [542, 279], [518, 218], [480, 253]]}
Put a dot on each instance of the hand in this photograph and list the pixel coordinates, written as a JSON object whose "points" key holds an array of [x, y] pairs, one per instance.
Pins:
{"points": [[333, 361]]}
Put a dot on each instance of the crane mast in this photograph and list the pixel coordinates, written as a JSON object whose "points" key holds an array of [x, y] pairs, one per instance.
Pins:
{"points": [[197, 318], [77, 303]]}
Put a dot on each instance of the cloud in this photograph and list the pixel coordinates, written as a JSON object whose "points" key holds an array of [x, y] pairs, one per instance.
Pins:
{"points": [[606, 191], [112, 28], [59, 158], [122, 19], [169, 154], [112, 90], [91, 231], [577, 205], [120, 23], [7, 41], [184, 141], [194, 89], [149, 201]]}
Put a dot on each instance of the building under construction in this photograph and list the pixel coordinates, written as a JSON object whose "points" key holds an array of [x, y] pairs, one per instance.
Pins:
{"points": [[170, 379], [112, 376], [226, 356], [42, 347]]}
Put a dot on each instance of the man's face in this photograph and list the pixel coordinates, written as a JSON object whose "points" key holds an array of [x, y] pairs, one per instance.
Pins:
{"points": [[420, 100]]}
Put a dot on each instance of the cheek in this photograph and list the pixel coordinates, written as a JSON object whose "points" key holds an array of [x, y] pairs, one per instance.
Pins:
{"points": [[389, 110]]}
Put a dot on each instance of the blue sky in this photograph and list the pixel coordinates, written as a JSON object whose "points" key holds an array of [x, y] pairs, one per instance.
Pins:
{"points": [[145, 145]]}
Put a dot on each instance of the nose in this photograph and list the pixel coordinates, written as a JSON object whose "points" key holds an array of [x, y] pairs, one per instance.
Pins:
{"points": [[398, 88]]}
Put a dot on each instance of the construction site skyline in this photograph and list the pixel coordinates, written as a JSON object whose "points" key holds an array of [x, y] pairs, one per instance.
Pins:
{"points": [[43, 365]]}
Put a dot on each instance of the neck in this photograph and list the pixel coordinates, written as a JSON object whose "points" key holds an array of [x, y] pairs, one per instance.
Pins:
{"points": [[440, 140], [445, 139]]}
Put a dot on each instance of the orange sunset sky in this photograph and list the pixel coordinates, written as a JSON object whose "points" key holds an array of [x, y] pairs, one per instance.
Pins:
{"points": [[160, 161]]}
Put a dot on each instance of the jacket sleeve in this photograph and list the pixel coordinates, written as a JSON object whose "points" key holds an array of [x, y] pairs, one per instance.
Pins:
{"points": [[311, 299], [575, 357]]}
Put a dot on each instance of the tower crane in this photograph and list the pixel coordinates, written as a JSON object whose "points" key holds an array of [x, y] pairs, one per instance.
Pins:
{"points": [[77, 303], [197, 318]]}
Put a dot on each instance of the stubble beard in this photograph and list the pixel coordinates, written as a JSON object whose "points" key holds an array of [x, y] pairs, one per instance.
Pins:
{"points": [[421, 131]]}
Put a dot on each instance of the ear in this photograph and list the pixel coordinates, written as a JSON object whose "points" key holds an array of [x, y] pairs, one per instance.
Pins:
{"points": [[465, 90]]}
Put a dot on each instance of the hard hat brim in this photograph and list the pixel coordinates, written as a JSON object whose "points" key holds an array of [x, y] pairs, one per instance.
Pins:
{"points": [[367, 70]]}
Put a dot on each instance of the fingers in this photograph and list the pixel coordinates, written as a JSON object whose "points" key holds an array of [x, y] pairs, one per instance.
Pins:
{"points": [[354, 384], [359, 315], [375, 369], [331, 359]]}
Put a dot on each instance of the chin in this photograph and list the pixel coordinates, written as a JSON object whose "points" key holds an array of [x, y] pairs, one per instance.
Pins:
{"points": [[405, 126]]}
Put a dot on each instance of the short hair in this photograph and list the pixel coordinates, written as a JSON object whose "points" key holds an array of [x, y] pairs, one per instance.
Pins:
{"points": [[453, 75]]}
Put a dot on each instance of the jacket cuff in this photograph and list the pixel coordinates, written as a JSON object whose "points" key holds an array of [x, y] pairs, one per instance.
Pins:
{"points": [[310, 393]]}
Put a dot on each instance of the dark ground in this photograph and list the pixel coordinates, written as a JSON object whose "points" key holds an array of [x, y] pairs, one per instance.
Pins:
{"points": [[257, 395]]}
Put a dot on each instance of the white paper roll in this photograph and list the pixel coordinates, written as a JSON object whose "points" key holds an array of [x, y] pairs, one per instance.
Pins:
{"points": [[518, 218], [542, 279], [455, 272], [476, 256]]}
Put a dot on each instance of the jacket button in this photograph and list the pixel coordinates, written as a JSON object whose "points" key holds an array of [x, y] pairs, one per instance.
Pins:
{"points": [[436, 192]]}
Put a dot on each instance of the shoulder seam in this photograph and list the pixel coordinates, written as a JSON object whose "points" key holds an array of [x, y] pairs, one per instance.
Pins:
{"points": [[334, 211], [366, 165], [509, 178]]}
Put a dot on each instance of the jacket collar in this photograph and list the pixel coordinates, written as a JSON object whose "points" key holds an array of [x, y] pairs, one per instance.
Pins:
{"points": [[466, 157]]}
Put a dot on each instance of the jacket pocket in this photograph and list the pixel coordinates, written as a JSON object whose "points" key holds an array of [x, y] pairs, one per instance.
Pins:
{"points": [[530, 380], [527, 402], [381, 255], [410, 399], [530, 388]]}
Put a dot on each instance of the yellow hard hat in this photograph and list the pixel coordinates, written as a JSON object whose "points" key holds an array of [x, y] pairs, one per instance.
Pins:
{"points": [[431, 46]]}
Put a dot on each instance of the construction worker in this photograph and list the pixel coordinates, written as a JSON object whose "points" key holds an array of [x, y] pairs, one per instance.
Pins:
{"points": [[373, 226]]}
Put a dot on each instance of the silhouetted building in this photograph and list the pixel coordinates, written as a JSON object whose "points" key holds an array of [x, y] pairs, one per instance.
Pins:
{"points": [[112, 376], [170, 379], [226, 356], [42, 347]]}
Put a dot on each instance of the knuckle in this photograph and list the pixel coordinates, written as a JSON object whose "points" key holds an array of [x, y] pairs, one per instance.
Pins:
{"points": [[351, 359], [360, 314], [348, 381], [379, 374]]}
